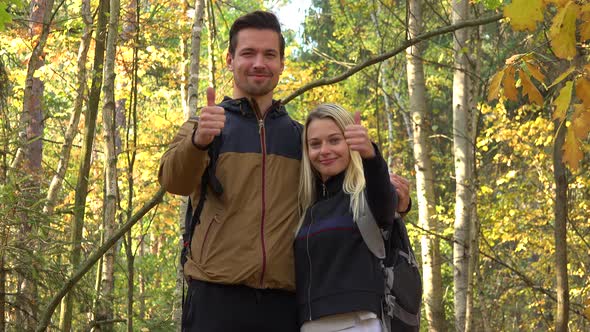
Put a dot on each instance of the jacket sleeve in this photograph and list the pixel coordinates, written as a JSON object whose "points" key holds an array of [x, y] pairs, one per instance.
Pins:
{"points": [[183, 163], [381, 194]]}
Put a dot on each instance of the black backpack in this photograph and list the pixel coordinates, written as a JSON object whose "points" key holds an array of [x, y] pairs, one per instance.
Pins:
{"points": [[402, 297]]}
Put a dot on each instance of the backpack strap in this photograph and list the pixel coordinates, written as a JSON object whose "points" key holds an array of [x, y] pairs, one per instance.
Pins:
{"points": [[370, 230], [207, 179], [374, 240]]}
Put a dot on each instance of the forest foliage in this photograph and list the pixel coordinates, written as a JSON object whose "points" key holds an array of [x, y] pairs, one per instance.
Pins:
{"points": [[533, 76]]}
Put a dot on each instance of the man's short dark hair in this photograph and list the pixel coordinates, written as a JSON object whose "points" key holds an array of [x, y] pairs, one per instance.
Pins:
{"points": [[257, 20]]}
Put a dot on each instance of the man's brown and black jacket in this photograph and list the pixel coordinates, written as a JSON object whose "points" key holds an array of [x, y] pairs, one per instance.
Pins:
{"points": [[245, 235]]}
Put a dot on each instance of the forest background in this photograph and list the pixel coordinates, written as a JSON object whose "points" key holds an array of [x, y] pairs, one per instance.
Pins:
{"points": [[484, 105]]}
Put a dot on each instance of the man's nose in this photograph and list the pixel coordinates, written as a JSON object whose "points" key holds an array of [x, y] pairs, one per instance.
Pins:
{"points": [[259, 61]]}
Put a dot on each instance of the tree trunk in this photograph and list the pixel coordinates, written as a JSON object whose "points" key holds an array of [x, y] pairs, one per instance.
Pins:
{"points": [[32, 153], [431, 260], [193, 86], [189, 110], [84, 170], [105, 308], [463, 151], [562, 286], [3, 181], [211, 43], [64, 158], [131, 130], [476, 89]]}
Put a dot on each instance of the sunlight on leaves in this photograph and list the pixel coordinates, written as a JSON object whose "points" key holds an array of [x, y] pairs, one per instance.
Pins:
{"points": [[581, 121], [524, 14], [509, 84], [572, 153], [563, 32], [563, 76], [529, 89], [495, 85], [585, 25], [535, 71], [562, 102]]}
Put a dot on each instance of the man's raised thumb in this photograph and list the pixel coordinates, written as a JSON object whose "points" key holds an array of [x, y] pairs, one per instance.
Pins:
{"points": [[210, 96]]}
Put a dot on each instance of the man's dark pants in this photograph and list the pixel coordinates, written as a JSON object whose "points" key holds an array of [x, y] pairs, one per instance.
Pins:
{"points": [[211, 307]]}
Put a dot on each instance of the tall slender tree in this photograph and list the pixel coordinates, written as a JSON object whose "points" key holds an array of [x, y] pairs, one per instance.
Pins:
{"points": [[84, 169], [32, 151], [431, 260], [105, 308], [190, 110], [64, 156], [463, 151]]}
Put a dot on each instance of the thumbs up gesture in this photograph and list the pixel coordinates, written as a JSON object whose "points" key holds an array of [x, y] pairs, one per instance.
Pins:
{"points": [[211, 121], [357, 138]]}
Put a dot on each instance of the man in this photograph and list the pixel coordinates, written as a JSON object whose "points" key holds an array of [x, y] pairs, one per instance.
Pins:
{"points": [[241, 256]]}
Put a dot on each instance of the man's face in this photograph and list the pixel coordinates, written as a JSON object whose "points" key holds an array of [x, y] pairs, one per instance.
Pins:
{"points": [[256, 64]]}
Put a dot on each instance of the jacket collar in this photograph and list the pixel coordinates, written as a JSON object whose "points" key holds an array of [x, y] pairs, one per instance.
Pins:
{"points": [[245, 107], [329, 188]]}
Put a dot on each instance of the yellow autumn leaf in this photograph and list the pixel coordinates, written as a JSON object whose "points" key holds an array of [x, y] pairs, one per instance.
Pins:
{"points": [[581, 121], [564, 75], [583, 91], [529, 89], [572, 154], [585, 25], [495, 85], [587, 310], [509, 84], [535, 71], [562, 102], [587, 69], [524, 14], [562, 33]]}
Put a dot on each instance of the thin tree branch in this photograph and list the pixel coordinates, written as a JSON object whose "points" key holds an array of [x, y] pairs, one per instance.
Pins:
{"points": [[84, 268], [385, 56]]}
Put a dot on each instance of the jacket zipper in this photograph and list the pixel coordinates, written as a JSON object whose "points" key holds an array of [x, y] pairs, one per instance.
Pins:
{"points": [[309, 261], [324, 195], [261, 131]]}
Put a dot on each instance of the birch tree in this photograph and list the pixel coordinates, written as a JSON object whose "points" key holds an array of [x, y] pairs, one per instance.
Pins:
{"points": [[190, 110], [105, 307], [463, 151], [431, 260]]}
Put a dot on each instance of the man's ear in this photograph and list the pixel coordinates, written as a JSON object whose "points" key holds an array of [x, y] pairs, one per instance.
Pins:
{"points": [[282, 65], [229, 61]]}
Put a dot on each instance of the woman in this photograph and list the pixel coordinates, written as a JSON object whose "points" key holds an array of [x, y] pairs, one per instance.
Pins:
{"points": [[339, 281]]}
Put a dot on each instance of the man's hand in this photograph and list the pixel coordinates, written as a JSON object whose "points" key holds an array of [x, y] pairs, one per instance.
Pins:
{"points": [[357, 138], [211, 121], [402, 187]]}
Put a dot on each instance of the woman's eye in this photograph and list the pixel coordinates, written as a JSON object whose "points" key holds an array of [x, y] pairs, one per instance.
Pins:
{"points": [[334, 141]]}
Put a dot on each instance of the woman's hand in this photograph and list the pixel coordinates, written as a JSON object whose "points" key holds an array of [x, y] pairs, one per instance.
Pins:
{"points": [[357, 138]]}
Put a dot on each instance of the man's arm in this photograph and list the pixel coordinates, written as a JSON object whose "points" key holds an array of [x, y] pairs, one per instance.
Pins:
{"points": [[183, 163]]}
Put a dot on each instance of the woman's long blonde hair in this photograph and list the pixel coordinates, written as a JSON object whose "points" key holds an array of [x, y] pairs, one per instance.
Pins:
{"points": [[354, 178]]}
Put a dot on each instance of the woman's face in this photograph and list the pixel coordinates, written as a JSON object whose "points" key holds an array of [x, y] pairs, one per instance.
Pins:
{"points": [[328, 152]]}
